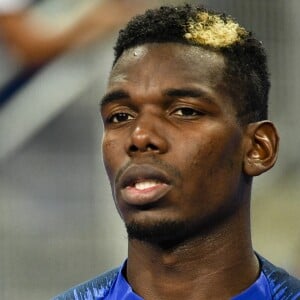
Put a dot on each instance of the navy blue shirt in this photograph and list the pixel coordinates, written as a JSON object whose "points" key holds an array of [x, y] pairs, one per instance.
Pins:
{"points": [[121, 290], [273, 283]]}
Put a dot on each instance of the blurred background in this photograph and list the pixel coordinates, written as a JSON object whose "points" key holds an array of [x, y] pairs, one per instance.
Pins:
{"points": [[58, 224]]}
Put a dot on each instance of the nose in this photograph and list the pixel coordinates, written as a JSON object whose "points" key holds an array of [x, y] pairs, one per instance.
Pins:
{"points": [[147, 136]]}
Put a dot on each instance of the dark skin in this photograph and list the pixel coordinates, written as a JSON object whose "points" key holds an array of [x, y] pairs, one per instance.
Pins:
{"points": [[175, 152]]}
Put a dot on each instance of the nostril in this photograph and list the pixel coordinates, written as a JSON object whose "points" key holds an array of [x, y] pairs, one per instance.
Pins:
{"points": [[151, 147], [133, 148], [148, 147]]}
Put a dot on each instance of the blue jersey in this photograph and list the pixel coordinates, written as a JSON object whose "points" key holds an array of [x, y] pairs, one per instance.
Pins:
{"points": [[273, 284]]}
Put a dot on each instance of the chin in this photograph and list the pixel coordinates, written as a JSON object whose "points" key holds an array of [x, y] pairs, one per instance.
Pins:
{"points": [[168, 233], [165, 233]]}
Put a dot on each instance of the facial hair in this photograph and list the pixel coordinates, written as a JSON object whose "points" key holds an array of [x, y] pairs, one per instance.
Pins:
{"points": [[168, 234]]}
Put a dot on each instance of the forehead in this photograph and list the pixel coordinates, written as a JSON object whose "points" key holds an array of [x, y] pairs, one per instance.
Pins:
{"points": [[172, 63]]}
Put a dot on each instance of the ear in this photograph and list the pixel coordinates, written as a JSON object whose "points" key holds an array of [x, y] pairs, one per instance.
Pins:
{"points": [[261, 147]]}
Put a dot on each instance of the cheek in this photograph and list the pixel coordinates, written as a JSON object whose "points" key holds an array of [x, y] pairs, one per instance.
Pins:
{"points": [[203, 154], [207, 157], [111, 154], [196, 156], [213, 168]]}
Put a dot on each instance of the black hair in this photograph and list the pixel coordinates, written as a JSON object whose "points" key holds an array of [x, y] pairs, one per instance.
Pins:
{"points": [[246, 75]]}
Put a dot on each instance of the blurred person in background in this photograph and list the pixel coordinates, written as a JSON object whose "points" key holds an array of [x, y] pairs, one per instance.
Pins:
{"points": [[185, 131], [32, 42]]}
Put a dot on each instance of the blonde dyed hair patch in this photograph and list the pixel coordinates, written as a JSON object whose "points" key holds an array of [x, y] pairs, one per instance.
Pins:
{"points": [[214, 30]]}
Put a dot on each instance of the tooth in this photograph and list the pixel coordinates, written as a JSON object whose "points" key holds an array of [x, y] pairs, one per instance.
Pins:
{"points": [[145, 184]]}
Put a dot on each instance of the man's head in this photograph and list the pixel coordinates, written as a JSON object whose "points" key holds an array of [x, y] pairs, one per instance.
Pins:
{"points": [[178, 145], [245, 75]]}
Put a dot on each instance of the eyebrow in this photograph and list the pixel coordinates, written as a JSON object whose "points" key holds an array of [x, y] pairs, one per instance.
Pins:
{"points": [[172, 93], [188, 92], [113, 96]]}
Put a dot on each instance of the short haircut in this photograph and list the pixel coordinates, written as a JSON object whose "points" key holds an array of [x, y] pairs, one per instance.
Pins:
{"points": [[246, 75]]}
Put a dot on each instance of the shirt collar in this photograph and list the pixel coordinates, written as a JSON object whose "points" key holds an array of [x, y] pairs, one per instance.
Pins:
{"points": [[121, 290]]}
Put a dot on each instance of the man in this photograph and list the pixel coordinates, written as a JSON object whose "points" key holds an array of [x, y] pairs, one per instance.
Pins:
{"points": [[185, 131]]}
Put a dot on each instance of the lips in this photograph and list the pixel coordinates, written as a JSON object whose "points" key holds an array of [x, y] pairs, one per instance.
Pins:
{"points": [[143, 184]]}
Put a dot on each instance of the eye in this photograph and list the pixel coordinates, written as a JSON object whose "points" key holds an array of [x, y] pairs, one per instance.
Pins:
{"points": [[187, 112], [120, 117]]}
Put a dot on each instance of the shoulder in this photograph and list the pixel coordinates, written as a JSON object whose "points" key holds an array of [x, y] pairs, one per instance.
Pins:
{"points": [[282, 285], [96, 288]]}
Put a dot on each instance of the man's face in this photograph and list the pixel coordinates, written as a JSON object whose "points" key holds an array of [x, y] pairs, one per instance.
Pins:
{"points": [[172, 146]]}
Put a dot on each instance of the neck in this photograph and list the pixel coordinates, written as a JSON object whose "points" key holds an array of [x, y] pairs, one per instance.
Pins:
{"points": [[218, 265]]}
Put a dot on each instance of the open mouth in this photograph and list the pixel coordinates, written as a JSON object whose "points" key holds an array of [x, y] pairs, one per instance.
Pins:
{"points": [[143, 184]]}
